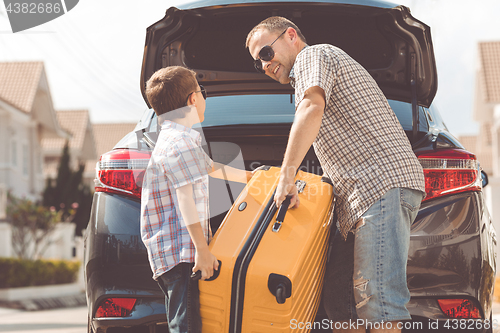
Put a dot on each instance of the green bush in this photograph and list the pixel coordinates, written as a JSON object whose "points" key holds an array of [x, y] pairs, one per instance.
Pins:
{"points": [[24, 273]]}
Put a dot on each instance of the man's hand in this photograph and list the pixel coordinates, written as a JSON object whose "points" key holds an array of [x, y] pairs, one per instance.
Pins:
{"points": [[205, 262], [305, 128], [286, 186]]}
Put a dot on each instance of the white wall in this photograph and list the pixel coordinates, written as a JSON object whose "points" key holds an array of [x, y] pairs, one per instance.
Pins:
{"points": [[3, 202], [492, 195], [20, 170], [5, 240], [59, 244]]}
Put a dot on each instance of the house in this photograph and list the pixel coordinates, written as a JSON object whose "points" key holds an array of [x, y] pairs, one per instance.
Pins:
{"points": [[106, 136], [82, 147], [487, 113], [27, 117]]}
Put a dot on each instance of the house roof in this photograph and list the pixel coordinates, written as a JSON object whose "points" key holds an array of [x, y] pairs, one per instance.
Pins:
{"points": [[469, 142], [73, 121], [489, 54], [485, 156], [19, 83], [106, 136]]}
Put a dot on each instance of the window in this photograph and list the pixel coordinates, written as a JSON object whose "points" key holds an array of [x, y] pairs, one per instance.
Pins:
{"points": [[249, 109], [25, 160], [404, 113], [14, 154], [280, 108]]}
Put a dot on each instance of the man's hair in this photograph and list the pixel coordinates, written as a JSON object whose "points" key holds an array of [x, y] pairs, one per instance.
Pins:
{"points": [[275, 24], [168, 88]]}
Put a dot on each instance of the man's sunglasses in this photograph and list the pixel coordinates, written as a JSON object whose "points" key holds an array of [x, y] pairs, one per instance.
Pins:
{"points": [[267, 54], [202, 90]]}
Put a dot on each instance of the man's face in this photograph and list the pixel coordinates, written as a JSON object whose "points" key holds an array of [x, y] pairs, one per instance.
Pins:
{"points": [[279, 67]]}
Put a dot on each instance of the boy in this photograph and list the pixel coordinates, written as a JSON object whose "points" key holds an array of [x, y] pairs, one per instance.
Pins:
{"points": [[174, 204]]}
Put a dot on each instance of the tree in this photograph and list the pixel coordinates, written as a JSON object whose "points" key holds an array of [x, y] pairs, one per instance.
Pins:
{"points": [[69, 195], [32, 223]]}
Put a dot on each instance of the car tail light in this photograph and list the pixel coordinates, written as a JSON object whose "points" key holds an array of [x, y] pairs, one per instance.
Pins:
{"points": [[459, 308], [115, 307], [449, 171], [122, 171]]}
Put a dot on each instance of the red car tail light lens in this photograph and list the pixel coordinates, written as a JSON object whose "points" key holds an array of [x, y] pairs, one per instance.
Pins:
{"points": [[122, 171], [459, 308], [449, 171], [115, 307]]}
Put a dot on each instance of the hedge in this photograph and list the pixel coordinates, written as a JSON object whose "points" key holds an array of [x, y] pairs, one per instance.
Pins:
{"points": [[25, 273]]}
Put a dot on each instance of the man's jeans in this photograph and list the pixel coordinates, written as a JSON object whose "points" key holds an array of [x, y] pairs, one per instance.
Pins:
{"points": [[182, 299], [366, 274]]}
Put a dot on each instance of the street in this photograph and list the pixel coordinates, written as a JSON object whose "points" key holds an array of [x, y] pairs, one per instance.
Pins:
{"points": [[67, 320], [74, 320]]}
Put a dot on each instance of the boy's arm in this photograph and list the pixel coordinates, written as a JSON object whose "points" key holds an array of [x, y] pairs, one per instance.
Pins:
{"points": [[204, 261], [230, 173]]}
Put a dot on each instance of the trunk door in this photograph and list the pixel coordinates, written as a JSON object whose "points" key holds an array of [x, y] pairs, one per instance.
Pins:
{"points": [[209, 37]]}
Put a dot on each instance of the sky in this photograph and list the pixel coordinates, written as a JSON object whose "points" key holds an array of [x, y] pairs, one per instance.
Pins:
{"points": [[93, 54]]}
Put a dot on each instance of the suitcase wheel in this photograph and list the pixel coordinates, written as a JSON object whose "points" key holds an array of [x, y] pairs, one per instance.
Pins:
{"points": [[280, 286], [280, 293]]}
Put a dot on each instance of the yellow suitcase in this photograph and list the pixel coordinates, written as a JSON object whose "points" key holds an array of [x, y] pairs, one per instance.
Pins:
{"points": [[271, 274]]}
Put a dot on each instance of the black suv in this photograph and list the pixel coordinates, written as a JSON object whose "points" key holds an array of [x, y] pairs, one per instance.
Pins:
{"points": [[451, 267]]}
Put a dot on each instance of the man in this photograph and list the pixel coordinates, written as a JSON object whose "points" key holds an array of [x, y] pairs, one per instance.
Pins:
{"points": [[363, 149]]}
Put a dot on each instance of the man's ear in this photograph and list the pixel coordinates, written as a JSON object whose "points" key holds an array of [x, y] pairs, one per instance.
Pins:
{"points": [[291, 34]]}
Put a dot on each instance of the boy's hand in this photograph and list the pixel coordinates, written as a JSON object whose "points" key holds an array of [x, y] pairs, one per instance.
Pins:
{"points": [[205, 262], [259, 168], [250, 174]]}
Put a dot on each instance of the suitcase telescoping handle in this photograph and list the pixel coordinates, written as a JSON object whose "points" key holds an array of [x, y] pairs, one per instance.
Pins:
{"points": [[281, 213], [197, 275]]}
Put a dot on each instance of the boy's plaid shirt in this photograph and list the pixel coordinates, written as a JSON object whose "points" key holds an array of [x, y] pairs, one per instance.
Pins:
{"points": [[177, 160], [361, 145]]}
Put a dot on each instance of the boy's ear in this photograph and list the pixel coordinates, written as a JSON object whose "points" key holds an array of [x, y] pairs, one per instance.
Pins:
{"points": [[192, 99]]}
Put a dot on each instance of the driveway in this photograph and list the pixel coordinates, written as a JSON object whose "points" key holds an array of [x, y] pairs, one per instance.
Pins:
{"points": [[66, 320], [74, 320]]}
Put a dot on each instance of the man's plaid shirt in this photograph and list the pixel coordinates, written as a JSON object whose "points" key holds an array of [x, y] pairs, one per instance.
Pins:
{"points": [[177, 160], [361, 145]]}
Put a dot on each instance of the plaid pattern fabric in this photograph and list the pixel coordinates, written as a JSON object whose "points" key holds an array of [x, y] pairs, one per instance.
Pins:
{"points": [[177, 160], [361, 145]]}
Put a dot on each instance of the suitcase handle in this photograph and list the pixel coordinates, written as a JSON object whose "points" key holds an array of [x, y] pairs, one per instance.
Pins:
{"points": [[197, 275], [281, 213]]}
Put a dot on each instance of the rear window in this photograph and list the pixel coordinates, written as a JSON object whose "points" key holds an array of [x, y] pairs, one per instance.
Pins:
{"points": [[278, 108], [249, 109], [405, 117]]}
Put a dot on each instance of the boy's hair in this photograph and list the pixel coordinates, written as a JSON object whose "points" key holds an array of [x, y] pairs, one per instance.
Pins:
{"points": [[275, 24], [168, 88]]}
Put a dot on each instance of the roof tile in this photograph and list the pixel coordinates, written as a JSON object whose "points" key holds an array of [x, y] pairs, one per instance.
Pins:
{"points": [[485, 157], [489, 53], [75, 122], [107, 135], [19, 83]]}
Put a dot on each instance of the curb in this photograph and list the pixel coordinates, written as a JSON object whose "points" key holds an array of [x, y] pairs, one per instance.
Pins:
{"points": [[38, 304]]}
